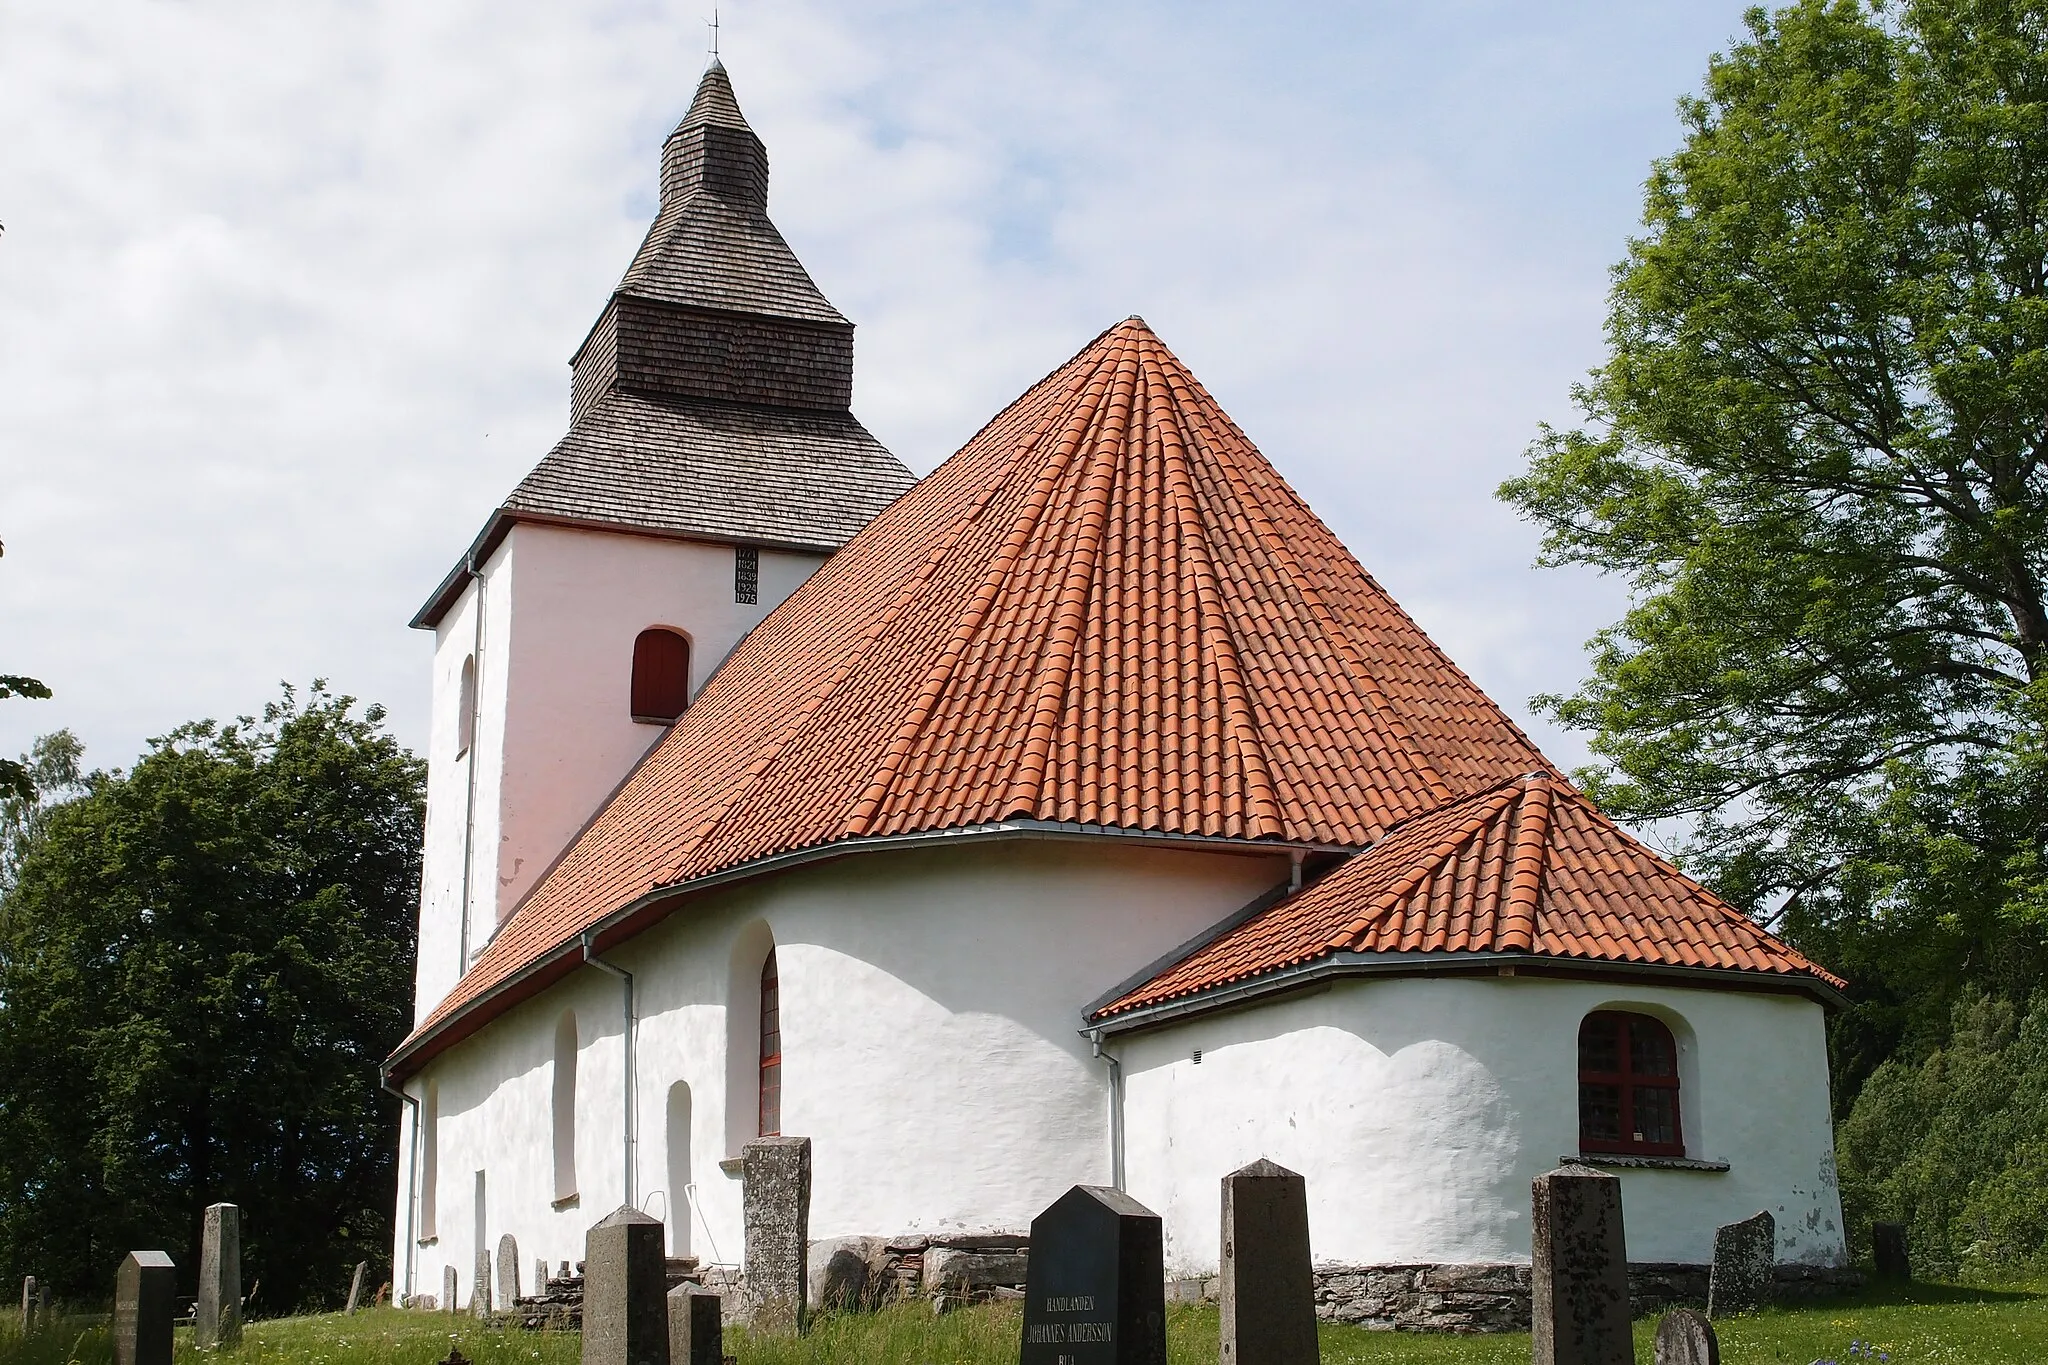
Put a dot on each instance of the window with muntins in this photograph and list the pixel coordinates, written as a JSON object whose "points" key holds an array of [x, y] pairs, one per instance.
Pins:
{"points": [[771, 1049], [661, 676], [1628, 1086]]}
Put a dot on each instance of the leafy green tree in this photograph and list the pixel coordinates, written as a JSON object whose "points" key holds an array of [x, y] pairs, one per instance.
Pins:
{"points": [[203, 961], [1818, 454]]}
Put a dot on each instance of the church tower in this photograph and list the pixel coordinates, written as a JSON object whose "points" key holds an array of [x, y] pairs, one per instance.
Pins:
{"points": [[711, 464]]}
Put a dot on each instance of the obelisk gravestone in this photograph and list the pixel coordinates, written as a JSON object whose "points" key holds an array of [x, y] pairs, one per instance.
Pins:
{"points": [[625, 1286], [144, 1305], [1268, 1284], [776, 1177], [1744, 1255], [1095, 1284], [1578, 1270], [696, 1332], [217, 1318]]}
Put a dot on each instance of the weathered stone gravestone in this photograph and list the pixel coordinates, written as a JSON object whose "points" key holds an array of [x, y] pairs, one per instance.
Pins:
{"points": [[1578, 1257], [144, 1304], [1894, 1260], [625, 1285], [28, 1304], [1685, 1337], [1268, 1289], [451, 1288], [508, 1271], [1744, 1254], [696, 1333], [776, 1174], [480, 1286], [355, 1287], [1096, 1290], [217, 1319]]}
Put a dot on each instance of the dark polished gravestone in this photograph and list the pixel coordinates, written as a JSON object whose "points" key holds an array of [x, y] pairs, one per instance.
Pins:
{"points": [[1889, 1250], [1095, 1287], [145, 1289], [1268, 1291], [1744, 1256], [1685, 1337], [1578, 1270]]}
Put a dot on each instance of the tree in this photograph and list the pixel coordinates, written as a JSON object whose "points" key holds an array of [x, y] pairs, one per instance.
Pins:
{"points": [[203, 962], [1818, 453]]}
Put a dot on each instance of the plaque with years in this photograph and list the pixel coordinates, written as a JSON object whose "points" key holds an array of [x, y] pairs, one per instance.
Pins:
{"points": [[1095, 1287]]}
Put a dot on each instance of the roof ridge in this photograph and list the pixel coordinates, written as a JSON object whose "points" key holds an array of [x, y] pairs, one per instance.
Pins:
{"points": [[1488, 805], [1532, 847]]}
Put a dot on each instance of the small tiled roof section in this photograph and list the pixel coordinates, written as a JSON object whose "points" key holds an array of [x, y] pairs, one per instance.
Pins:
{"points": [[1531, 866], [1106, 609], [711, 245], [795, 478]]}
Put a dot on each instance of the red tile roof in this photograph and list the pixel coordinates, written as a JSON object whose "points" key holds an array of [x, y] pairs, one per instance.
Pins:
{"points": [[1530, 866], [1107, 608]]}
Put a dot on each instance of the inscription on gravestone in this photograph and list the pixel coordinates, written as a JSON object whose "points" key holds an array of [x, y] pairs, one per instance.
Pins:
{"points": [[1578, 1270], [143, 1308], [1095, 1286], [1744, 1254]]}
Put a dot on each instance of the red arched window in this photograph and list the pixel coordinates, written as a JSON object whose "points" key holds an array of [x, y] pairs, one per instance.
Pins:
{"points": [[771, 1049], [1628, 1086], [661, 676]]}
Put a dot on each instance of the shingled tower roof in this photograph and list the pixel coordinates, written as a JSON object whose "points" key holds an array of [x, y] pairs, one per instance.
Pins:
{"points": [[1108, 610], [711, 399]]}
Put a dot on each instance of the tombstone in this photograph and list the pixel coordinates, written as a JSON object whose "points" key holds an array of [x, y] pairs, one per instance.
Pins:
{"points": [[451, 1286], [625, 1283], [355, 1288], [1578, 1268], [1889, 1250], [145, 1289], [480, 1286], [776, 1177], [540, 1275], [1268, 1290], [1096, 1290], [696, 1336], [1744, 1254], [28, 1304], [508, 1271], [217, 1320], [1685, 1337]]}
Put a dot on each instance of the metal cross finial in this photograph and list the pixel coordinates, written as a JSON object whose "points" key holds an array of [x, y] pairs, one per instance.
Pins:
{"points": [[713, 25]]}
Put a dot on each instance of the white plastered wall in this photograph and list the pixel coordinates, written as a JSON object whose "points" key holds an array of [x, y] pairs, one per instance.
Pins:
{"points": [[553, 736], [1419, 1109], [930, 1005]]}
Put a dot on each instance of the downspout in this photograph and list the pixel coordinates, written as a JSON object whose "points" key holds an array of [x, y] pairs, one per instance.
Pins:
{"points": [[1116, 1109], [626, 981], [476, 707], [412, 1182]]}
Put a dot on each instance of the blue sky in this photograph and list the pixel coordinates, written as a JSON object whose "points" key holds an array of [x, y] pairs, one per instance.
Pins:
{"points": [[287, 292]]}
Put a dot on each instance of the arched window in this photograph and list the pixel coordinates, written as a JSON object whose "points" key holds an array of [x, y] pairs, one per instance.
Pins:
{"points": [[565, 1106], [661, 676], [1628, 1086], [771, 1049], [465, 719], [679, 1203], [430, 1160]]}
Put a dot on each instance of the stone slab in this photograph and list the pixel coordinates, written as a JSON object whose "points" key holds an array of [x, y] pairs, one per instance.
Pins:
{"points": [[776, 1176], [480, 1286], [847, 1274], [508, 1271], [355, 1287], [1578, 1273], [1745, 1254], [1268, 1289], [217, 1318], [947, 1271], [145, 1302], [625, 1291], [1686, 1337], [1096, 1289], [28, 1304], [451, 1287], [696, 1329]]}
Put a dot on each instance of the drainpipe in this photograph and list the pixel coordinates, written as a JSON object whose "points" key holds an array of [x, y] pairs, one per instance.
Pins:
{"points": [[626, 981], [476, 707], [1294, 870], [1116, 1109], [412, 1180]]}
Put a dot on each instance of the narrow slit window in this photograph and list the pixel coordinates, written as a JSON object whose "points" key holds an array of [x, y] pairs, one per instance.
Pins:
{"points": [[465, 718], [661, 676], [746, 574], [1628, 1086], [771, 1049]]}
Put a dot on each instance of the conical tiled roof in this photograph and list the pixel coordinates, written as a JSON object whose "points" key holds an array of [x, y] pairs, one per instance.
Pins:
{"points": [[1106, 609], [1530, 866]]}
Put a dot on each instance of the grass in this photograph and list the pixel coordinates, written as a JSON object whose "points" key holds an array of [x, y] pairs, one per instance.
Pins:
{"points": [[1952, 1325]]}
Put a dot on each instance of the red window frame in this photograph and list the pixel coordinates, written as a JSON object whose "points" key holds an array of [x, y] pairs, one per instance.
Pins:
{"points": [[661, 675], [771, 1049], [1628, 1078]]}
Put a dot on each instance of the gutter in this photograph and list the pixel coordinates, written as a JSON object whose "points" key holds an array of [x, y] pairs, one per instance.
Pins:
{"points": [[412, 1185], [1116, 1107], [626, 980], [1349, 964], [563, 958]]}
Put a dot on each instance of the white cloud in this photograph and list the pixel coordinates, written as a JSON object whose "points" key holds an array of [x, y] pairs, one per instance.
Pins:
{"points": [[286, 292]]}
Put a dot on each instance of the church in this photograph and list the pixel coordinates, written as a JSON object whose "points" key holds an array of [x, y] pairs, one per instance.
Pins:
{"points": [[1082, 812]]}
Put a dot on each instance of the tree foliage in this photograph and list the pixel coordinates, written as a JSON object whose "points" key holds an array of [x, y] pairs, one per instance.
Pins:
{"points": [[1818, 453], [202, 963]]}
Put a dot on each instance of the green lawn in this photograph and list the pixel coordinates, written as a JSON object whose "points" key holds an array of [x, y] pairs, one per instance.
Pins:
{"points": [[2007, 1326]]}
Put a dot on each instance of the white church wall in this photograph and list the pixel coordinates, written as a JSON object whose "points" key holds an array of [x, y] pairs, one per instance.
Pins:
{"points": [[1420, 1109], [930, 1007]]}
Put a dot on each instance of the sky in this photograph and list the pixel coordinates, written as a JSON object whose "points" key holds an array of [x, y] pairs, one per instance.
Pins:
{"points": [[288, 292]]}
